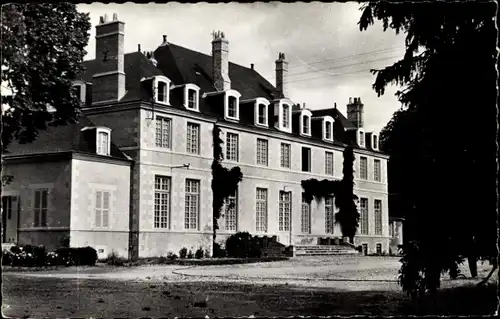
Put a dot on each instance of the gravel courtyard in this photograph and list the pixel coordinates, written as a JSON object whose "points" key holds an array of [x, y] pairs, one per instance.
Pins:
{"points": [[300, 286]]}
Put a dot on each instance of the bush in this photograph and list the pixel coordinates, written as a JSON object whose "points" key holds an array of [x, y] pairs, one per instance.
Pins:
{"points": [[183, 253], [171, 256], [199, 253], [206, 253], [80, 256], [37, 256], [219, 252], [190, 254], [243, 245], [115, 260]]}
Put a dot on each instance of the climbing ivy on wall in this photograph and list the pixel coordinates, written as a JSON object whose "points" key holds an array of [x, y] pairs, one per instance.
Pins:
{"points": [[224, 180], [343, 192]]}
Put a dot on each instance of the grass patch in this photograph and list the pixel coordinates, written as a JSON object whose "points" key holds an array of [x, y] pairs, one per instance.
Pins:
{"points": [[202, 262]]}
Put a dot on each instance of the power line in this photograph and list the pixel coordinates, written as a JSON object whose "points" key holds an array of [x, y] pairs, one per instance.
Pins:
{"points": [[326, 76]]}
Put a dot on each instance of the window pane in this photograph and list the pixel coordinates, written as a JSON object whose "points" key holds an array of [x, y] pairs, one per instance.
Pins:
{"points": [[98, 217], [105, 217], [329, 215], [163, 126], [191, 204], [364, 216], [328, 163], [231, 212], [105, 201], [306, 159], [305, 216], [232, 147], [193, 137], [162, 92], [262, 156], [261, 217], [363, 163], [285, 115], [376, 170], [38, 202], [378, 216], [98, 199], [161, 202], [191, 99], [262, 114]]}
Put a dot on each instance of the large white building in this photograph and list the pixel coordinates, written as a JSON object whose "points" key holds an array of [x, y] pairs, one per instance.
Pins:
{"points": [[134, 175]]}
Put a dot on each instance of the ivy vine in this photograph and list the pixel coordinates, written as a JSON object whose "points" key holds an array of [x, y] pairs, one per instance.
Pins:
{"points": [[343, 191], [224, 181]]}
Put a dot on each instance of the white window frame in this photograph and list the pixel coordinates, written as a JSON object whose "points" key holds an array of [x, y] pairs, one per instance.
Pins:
{"points": [[375, 141], [363, 216], [329, 215], [278, 113], [236, 95], [163, 79], [98, 150], [331, 165], [188, 209], [189, 145], [261, 199], [377, 170], [361, 142], [195, 88], [228, 147], [377, 212], [265, 102], [363, 159], [284, 210], [308, 115], [328, 119], [161, 213], [83, 90], [231, 213], [305, 216], [101, 208], [169, 140], [262, 159], [37, 221], [283, 159]]}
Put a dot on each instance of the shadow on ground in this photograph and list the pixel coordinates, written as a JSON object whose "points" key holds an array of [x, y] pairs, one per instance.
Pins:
{"points": [[55, 297]]}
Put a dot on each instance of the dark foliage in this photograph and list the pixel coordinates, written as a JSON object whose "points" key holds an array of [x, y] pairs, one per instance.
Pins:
{"points": [[224, 181], [243, 245], [183, 253], [80, 256], [43, 45], [219, 252], [447, 72], [199, 254], [37, 256], [190, 254]]}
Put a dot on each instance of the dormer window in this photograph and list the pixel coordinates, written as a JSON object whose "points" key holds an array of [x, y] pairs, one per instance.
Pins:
{"points": [[283, 114], [232, 105], [261, 111], [262, 114], [361, 138], [103, 141], [161, 86], [191, 100], [375, 142], [79, 89], [305, 122], [286, 116], [328, 128]]}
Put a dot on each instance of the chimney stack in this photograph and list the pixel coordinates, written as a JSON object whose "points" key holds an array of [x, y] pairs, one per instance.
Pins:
{"points": [[109, 82], [355, 112], [139, 47], [281, 75], [164, 43], [251, 66], [220, 62]]}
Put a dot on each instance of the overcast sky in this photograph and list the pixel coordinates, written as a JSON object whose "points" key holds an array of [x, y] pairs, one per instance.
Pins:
{"points": [[329, 58]]}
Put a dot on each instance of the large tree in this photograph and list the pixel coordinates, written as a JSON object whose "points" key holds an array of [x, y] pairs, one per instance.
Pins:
{"points": [[442, 141], [43, 46]]}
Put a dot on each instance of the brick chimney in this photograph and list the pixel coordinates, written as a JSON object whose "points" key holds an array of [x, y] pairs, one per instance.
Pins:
{"points": [[220, 62], [281, 76], [355, 112], [109, 81]]}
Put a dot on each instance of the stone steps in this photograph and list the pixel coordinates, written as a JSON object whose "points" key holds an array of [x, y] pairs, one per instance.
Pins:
{"points": [[324, 250]]}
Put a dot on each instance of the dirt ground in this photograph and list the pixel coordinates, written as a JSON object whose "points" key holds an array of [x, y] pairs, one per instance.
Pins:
{"points": [[301, 286]]}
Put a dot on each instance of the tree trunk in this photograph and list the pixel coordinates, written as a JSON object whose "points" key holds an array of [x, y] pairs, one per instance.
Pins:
{"points": [[472, 265]]}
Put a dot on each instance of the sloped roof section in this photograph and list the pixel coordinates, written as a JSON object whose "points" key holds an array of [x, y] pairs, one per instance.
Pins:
{"points": [[64, 138]]}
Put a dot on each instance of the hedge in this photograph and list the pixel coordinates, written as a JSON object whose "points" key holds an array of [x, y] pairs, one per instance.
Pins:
{"points": [[37, 256]]}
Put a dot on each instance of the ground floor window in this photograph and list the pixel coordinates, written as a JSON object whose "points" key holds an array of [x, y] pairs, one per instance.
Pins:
{"points": [[365, 249], [40, 207], [192, 203], [231, 211], [329, 212], [379, 249], [162, 202], [305, 217], [261, 213], [285, 207], [363, 216], [102, 208]]}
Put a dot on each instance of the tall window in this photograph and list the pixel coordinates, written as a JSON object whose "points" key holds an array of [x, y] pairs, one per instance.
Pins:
{"points": [[285, 155], [262, 116], [163, 127], [191, 99], [328, 130], [363, 168], [329, 218], [286, 115], [261, 205], [306, 159], [232, 107], [192, 203], [232, 212], [305, 125], [285, 207], [103, 143], [305, 216], [262, 147], [102, 209], [162, 201], [376, 170], [193, 138], [377, 210], [232, 147], [363, 216], [40, 207], [162, 92], [328, 163]]}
